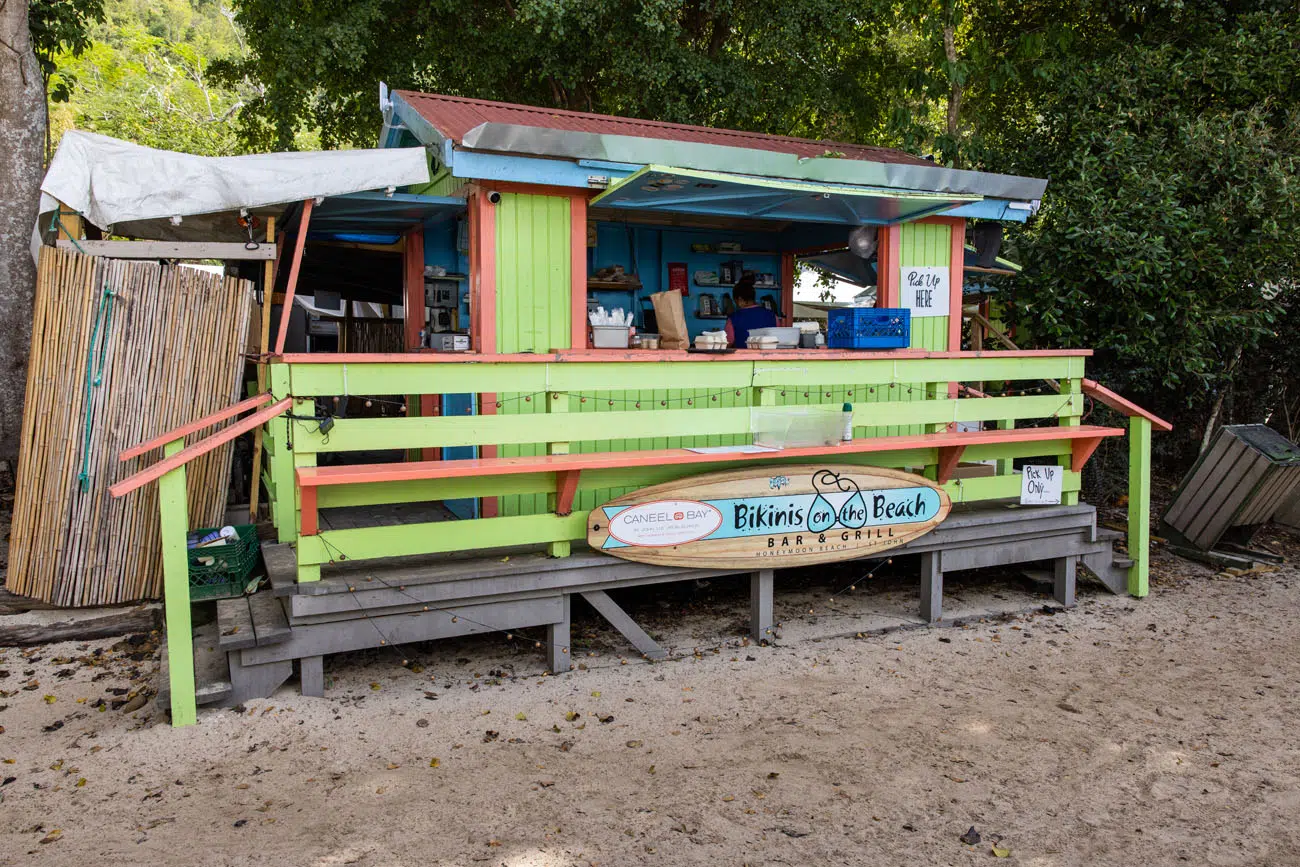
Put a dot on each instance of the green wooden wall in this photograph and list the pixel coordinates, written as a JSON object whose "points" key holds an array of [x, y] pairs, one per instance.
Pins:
{"points": [[533, 301]]}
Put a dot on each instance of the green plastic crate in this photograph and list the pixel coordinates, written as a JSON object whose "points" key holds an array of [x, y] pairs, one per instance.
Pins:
{"points": [[223, 570]]}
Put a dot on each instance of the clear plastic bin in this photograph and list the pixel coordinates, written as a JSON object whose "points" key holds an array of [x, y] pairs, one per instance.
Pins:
{"points": [[792, 428]]}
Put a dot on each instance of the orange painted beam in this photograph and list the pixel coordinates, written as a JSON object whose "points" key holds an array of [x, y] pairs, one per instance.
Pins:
{"points": [[566, 487], [202, 447], [286, 310], [185, 430], [787, 288], [949, 457], [1104, 395], [889, 257], [308, 476], [310, 520], [1082, 449], [413, 280], [604, 356], [483, 272], [578, 271]]}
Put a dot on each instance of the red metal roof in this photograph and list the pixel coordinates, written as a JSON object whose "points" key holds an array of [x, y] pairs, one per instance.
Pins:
{"points": [[454, 116]]}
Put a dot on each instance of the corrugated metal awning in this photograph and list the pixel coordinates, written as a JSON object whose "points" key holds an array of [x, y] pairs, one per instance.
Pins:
{"points": [[674, 190]]}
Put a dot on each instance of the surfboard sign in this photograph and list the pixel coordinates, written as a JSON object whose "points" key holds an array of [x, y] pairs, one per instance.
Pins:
{"points": [[769, 517]]}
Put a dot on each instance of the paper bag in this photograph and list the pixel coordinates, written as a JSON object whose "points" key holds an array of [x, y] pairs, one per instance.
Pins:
{"points": [[671, 320]]}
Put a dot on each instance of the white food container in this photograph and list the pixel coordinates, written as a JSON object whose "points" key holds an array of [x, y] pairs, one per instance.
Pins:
{"points": [[786, 338]]}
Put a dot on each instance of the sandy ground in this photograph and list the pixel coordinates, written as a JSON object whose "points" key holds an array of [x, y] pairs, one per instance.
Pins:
{"points": [[1123, 732]]}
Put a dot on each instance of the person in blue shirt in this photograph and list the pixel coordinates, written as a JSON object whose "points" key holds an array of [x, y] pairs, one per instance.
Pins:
{"points": [[749, 314]]}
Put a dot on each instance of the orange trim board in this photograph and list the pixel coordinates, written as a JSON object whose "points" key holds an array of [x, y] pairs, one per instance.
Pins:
{"points": [[1104, 395], [472, 467], [202, 447], [607, 355], [187, 429]]}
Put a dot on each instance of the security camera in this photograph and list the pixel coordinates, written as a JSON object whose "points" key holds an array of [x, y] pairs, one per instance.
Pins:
{"points": [[494, 197]]}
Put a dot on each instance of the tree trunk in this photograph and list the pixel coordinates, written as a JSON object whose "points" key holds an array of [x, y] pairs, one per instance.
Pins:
{"points": [[955, 91], [22, 129]]}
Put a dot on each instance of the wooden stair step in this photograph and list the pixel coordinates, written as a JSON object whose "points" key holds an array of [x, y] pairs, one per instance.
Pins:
{"points": [[270, 625], [235, 624], [1122, 563], [1105, 534], [211, 670]]}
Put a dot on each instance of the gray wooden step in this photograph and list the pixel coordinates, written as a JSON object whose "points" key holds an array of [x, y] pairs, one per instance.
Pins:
{"points": [[235, 624], [211, 670], [270, 624], [1106, 534]]}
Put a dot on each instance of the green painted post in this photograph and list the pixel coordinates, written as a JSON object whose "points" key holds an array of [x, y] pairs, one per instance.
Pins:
{"points": [[935, 391], [1006, 466], [174, 522], [557, 403], [1071, 389], [1139, 504]]}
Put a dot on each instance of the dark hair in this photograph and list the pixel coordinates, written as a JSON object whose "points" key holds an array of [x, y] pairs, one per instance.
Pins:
{"points": [[744, 290]]}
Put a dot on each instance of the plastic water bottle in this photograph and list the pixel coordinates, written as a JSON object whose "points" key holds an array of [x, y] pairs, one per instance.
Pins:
{"points": [[847, 434]]}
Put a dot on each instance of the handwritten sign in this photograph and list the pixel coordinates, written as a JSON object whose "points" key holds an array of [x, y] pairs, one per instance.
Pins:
{"points": [[791, 514], [1041, 486], [924, 290]]}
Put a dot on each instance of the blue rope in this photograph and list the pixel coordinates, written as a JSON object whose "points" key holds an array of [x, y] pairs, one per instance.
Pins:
{"points": [[94, 377]]}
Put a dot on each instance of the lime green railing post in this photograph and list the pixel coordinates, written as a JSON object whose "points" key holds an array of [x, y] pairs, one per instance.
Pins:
{"points": [[173, 518], [1139, 504], [281, 461], [1070, 416], [557, 402], [1006, 466]]}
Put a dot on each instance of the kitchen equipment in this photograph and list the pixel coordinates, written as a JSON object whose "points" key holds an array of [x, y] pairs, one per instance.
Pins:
{"points": [[708, 305], [610, 336], [450, 342]]}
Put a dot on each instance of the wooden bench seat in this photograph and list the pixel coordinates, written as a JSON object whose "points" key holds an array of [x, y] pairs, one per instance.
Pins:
{"points": [[568, 468]]}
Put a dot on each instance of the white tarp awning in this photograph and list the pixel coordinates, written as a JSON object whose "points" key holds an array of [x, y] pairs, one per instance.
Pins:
{"points": [[136, 191]]}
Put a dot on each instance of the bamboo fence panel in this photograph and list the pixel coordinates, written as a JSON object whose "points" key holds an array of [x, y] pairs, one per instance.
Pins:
{"points": [[171, 351]]}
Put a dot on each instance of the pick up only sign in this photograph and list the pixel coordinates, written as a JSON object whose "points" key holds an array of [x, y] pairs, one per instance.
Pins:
{"points": [[1041, 486], [924, 290]]}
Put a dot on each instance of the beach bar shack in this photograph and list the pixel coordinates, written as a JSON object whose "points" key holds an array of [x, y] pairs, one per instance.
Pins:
{"points": [[501, 454]]}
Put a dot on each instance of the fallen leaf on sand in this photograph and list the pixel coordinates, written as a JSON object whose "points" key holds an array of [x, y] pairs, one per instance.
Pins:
{"points": [[52, 836], [433, 763], [971, 837], [595, 693], [999, 852], [392, 766], [728, 798], [521, 716], [572, 715], [49, 699]]}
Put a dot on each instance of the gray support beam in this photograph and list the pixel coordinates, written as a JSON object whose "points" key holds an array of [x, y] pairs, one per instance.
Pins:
{"points": [[618, 618], [931, 587], [558, 652], [311, 671], [760, 606], [1063, 579]]}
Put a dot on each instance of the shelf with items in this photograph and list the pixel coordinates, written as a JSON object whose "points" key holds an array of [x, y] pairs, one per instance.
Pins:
{"points": [[711, 316], [613, 286], [758, 287]]}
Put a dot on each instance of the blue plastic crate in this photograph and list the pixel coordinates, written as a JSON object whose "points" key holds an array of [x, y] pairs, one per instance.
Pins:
{"points": [[868, 328]]}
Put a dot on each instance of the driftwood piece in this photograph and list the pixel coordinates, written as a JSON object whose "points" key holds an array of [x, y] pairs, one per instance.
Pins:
{"points": [[47, 627], [13, 603]]}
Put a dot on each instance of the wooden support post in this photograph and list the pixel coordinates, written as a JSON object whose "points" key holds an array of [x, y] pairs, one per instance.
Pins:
{"points": [[174, 524], [761, 584], [788, 272], [558, 654], [1139, 504], [1063, 577], [264, 344], [932, 587], [888, 259], [311, 673], [286, 309], [566, 483], [626, 626]]}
